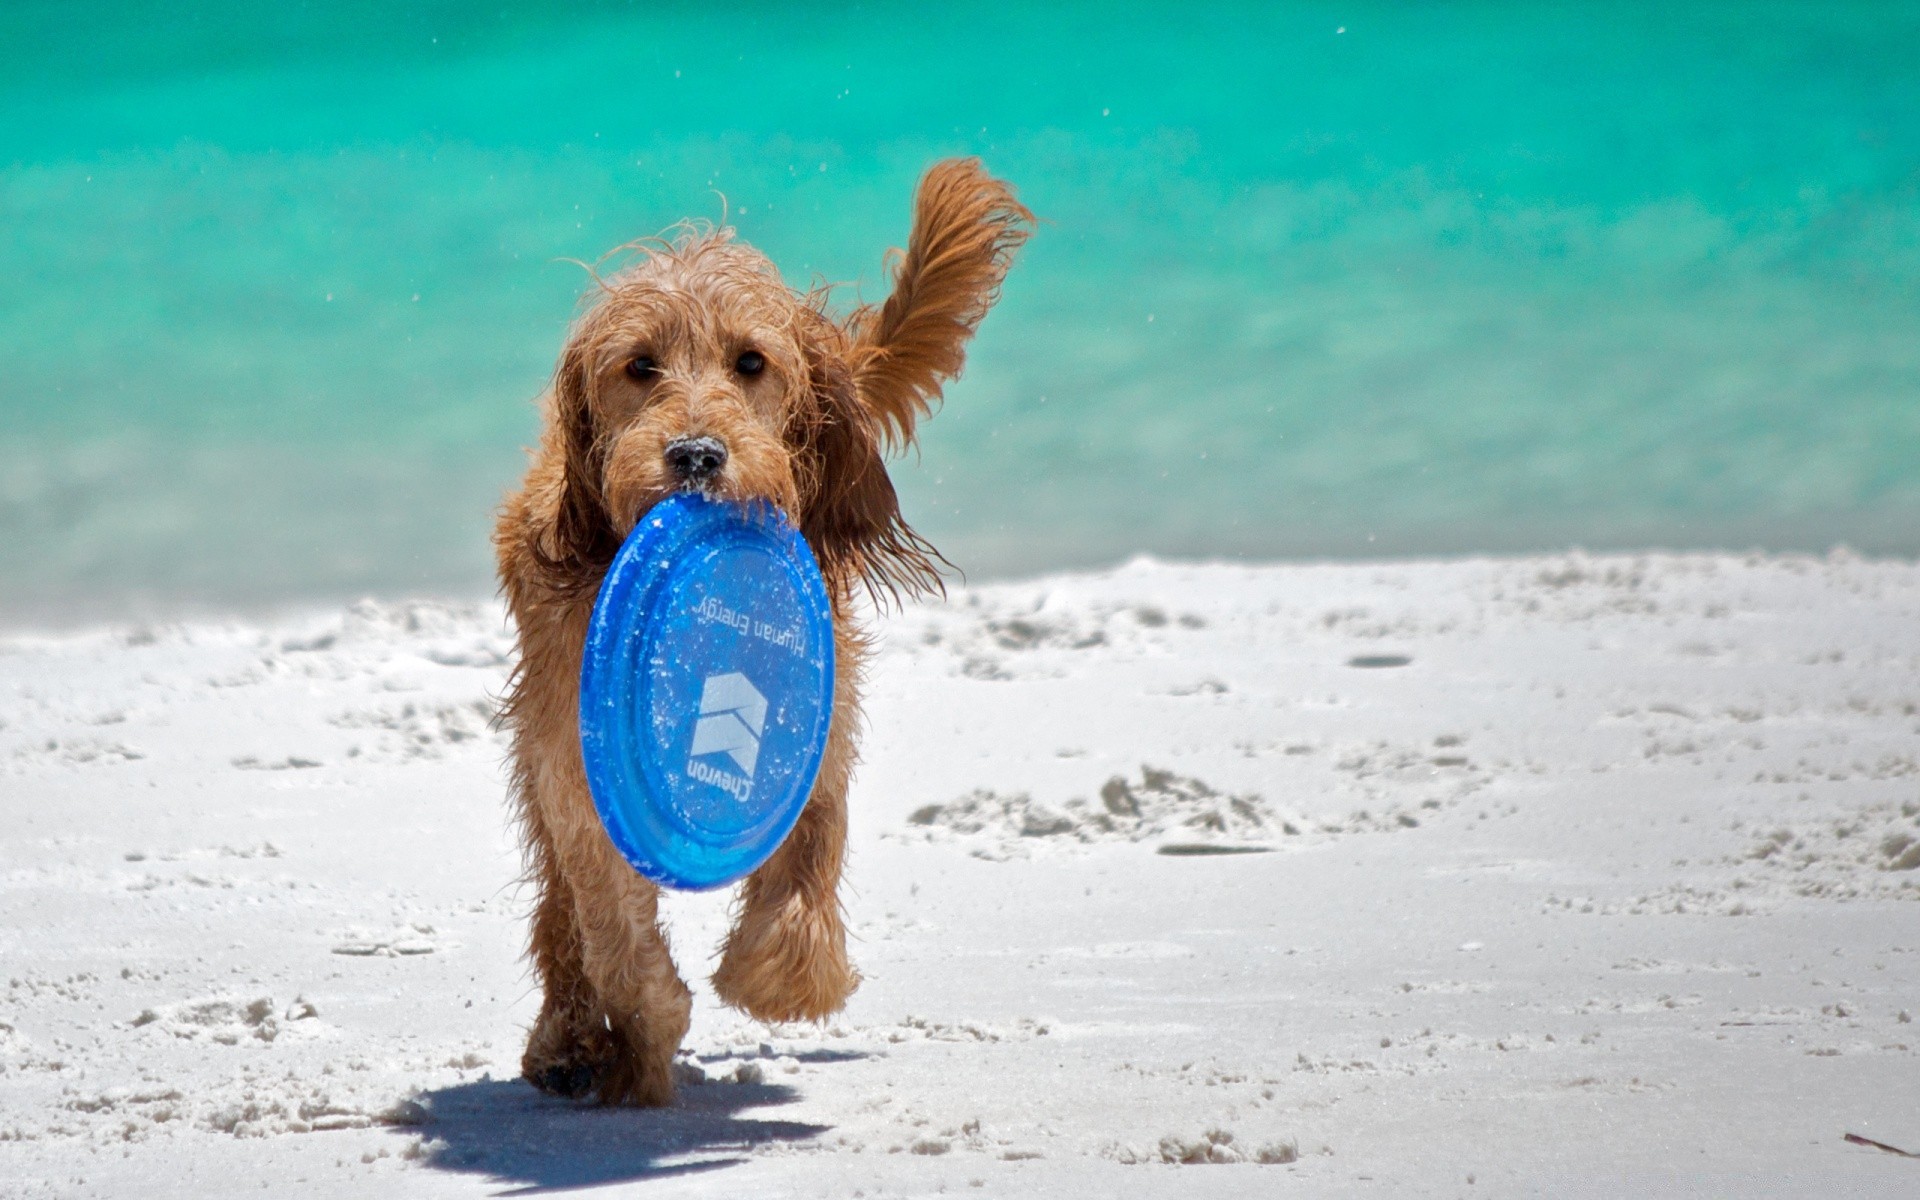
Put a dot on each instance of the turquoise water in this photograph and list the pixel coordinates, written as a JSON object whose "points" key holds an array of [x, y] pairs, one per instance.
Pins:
{"points": [[1315, 279]]}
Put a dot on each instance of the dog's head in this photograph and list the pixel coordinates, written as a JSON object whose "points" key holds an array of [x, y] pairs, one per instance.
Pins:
{"points": [[699, 369]]}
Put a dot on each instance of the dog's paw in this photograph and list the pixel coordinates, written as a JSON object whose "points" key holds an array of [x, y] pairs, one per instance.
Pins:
{"points": [[640, 1072], [638, 1081], [612, 1069], [787, 965], [571, 1080], [566, 1055]]}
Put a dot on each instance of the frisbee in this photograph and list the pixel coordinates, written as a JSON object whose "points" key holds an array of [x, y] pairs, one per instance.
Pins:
{"points": [[706, 689]]}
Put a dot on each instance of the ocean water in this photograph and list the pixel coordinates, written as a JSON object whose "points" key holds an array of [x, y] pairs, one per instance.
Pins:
{"points": [[1313, 280]]}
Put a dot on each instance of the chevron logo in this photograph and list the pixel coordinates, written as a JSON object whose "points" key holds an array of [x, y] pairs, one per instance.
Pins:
{"points": [[733, 714]]}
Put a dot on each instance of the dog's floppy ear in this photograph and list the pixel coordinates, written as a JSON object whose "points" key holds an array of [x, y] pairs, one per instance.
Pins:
{"points": [[850, 514], [966, 227], [573, 548]]}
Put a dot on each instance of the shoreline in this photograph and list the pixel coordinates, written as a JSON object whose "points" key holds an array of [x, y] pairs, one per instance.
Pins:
{"points": [[321, 606]]}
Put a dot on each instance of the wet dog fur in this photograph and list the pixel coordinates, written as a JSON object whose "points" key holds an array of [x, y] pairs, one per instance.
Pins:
{"points": [[700, 343]]}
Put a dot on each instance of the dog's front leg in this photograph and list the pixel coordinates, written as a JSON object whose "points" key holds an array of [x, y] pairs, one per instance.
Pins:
{"points": [[613, 1014], [786, 957], [569, 1047], [626, 961]]}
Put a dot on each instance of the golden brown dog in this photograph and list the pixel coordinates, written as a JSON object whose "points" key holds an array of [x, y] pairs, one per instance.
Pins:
{"points": [[698, 368]]}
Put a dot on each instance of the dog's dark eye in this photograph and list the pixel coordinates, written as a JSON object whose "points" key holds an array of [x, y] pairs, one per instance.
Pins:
{"points": [[750, 363], [642, 368]]}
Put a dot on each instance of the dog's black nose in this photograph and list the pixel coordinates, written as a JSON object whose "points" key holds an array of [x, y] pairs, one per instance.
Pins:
{"points": [[696, 460]]}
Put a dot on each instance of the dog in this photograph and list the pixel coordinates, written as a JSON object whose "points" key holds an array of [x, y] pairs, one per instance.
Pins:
{"points": [[698, 368]]}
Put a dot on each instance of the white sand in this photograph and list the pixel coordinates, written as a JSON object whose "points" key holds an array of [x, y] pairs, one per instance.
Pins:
{"points": [[1601, 892]]}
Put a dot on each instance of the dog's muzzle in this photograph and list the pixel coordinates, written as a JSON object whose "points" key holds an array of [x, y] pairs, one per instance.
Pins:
{"points": [[695, 461]]}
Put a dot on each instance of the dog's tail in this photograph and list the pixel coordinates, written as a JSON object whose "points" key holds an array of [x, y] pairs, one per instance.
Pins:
{"points": [[966, 227]]}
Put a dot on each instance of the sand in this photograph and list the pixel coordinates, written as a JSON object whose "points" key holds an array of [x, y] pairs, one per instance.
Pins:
{"points": [[1564, 876]]}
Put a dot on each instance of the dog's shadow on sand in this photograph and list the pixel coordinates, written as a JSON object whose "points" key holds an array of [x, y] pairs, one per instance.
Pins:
{"points": [[507, 1130]]}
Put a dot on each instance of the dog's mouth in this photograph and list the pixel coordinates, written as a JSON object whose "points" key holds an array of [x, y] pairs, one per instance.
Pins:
{"points": [[717, 488], [694, 464]]}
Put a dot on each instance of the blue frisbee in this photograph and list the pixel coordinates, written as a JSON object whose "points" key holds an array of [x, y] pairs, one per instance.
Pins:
{"points": [[706, 689]]}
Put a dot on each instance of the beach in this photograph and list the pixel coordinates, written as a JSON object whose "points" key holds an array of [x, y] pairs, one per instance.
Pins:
{"points": [[1273, 805], [1564, 875]]}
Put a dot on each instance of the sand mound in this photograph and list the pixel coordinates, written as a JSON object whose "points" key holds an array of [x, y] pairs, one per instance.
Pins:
{"points": [[1159, 804]]}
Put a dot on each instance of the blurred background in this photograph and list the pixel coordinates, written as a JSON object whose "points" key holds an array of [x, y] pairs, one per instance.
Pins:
{"points": [[282, 282]]}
